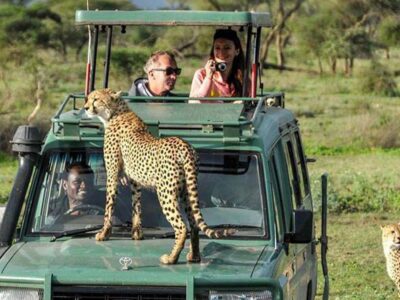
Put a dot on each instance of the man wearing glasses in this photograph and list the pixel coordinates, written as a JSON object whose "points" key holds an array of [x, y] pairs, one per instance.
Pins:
{"points": [[162, 72]]}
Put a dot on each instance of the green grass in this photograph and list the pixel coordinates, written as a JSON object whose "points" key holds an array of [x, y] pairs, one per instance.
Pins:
{"points": [[8, 167], [366, 181], [356, 262]]}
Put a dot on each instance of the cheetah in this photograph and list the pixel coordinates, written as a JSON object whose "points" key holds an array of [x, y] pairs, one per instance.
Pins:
{"points": [[168, 165], [391, 248]]}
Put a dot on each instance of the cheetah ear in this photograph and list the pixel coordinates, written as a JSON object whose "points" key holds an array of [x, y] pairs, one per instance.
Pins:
{"points": [[116, 95]]}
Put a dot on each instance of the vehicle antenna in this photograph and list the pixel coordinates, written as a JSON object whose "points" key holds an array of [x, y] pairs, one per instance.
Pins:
{"points": [[88, 57]]}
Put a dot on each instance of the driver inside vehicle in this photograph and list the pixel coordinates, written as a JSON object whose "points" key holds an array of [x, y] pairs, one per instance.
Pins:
{"points": [[80, 196]]}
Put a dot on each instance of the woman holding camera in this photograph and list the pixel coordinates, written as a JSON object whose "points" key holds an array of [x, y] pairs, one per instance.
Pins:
{"points": [[222, 75]]}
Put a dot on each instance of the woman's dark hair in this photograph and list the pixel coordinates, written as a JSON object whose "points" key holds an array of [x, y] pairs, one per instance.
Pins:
{"points": [[236, 75]]}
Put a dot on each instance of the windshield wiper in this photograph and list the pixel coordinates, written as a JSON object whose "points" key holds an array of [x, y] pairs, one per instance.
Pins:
{"points": [[235, 226], [74, 232], [126, 225]]}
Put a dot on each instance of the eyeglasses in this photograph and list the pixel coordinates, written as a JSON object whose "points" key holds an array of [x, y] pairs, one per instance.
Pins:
{"points": [[169, 71]]}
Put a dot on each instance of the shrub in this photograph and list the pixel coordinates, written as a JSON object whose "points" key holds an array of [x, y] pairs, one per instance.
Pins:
{"points": [[378, 80], [355, 192], [129, 61]]}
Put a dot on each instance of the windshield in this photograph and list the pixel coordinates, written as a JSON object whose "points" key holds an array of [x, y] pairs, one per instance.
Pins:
{"points": [[73, 190]]}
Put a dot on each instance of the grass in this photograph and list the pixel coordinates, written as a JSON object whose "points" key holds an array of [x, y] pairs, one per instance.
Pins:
{"points": [[8, 167], [352, 186], [356, 262]]}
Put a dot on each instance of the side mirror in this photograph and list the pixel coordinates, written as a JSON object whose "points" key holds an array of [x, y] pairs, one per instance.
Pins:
{"points": [[302, 228]]}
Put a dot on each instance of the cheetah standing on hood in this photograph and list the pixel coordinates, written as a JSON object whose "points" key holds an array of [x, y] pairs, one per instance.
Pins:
{"points": [[167, 164]]}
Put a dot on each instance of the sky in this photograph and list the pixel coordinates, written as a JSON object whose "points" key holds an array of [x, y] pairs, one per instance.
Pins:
{"points": [[150, 4]]}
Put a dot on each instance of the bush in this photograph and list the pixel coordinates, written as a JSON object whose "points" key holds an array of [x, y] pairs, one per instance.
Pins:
{"points": [[129, 61], [378, 80], [355, 192]]}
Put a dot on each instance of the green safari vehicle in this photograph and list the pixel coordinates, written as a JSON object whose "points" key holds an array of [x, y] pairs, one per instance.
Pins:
{"points": [[252, 177]]}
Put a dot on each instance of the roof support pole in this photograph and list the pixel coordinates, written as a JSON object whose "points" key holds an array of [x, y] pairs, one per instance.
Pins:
{"points": [[108, 56], [93, 58], [256, 64], [247, 62]]}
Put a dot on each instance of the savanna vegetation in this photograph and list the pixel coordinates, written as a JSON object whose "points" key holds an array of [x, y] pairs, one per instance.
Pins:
{"points": [[337, 61]]}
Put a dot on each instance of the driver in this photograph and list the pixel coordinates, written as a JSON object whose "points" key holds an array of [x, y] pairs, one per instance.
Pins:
{"points": [[78, 185]]}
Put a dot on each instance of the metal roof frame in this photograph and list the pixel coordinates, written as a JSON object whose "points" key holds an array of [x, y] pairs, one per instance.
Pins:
{"points": [[106, 20], [172, 18], [225, 122]]}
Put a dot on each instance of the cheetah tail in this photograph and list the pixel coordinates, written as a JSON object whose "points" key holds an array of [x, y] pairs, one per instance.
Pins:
{"points": [[219, 233], [190, 168]]}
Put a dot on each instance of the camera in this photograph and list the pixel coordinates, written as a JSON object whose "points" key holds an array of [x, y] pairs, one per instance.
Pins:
{"points": [[220, 66]]}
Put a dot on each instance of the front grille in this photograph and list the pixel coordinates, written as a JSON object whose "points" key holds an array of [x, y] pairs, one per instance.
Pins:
{"points": [[117, 293]]}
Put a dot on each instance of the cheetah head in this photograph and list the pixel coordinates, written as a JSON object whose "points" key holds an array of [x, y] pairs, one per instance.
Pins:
{"points": [[102, 103], [391, 236]]}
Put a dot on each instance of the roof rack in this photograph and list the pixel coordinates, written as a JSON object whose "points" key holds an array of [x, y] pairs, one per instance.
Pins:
{"points": [[226, 122]]}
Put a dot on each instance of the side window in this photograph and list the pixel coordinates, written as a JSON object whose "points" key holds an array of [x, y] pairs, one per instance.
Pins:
{"points": [[277, 199], [292, 172], [302, 166], [281, 190]]}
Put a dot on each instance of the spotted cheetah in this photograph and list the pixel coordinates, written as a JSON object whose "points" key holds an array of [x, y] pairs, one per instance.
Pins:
{"points": [[169, 165], [391, 248]]}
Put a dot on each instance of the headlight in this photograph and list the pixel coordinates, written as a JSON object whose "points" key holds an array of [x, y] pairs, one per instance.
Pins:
{"points": [[20, 294], [260, 295]]}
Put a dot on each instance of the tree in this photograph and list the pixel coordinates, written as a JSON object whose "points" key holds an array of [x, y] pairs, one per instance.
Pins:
{"points": [[341, 29], [388, 33], [22, 28], [311, 32], [68, 35], [281, 11]]}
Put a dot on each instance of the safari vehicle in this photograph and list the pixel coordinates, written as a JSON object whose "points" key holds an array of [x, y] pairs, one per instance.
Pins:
{"points": [[252, 176]]}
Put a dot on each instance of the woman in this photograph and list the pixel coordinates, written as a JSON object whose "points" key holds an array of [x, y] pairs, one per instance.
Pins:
{"points": [[212, 82]]}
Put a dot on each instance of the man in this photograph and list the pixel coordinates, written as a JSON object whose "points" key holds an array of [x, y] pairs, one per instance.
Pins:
{"points": [[80, 197], [162, 73], [78, 184]]}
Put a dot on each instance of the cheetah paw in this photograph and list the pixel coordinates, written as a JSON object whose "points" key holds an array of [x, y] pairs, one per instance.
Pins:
{"points": [[193, 258], [137, 234], [167, 260], [103, 235]]}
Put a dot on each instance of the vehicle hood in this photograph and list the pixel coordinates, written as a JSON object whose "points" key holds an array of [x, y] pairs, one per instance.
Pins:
{"points": [[84, 260]]}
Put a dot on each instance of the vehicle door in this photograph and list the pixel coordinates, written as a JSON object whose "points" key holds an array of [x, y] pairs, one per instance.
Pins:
{"points": [[284, 270], [300, 198]]}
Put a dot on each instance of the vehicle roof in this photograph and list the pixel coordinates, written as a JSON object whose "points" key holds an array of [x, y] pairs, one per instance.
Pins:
{"points": [[172, 18], [205, 125]]}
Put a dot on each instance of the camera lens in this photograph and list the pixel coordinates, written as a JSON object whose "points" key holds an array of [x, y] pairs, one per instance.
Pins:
{"points": [[221, 66]]}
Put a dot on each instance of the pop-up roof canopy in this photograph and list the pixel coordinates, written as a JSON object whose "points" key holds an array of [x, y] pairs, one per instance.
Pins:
{"points": [[172, 17], [113, 18]]}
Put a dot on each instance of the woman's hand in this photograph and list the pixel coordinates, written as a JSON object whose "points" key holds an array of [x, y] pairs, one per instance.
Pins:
{"points": [[210, 68]]}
